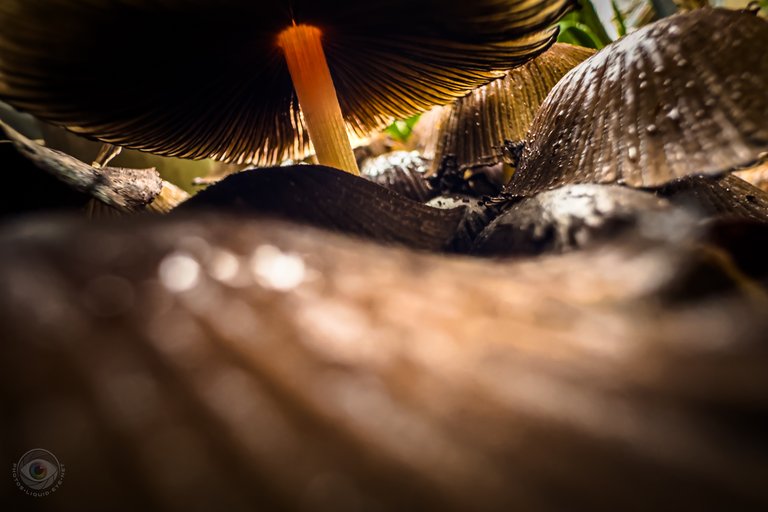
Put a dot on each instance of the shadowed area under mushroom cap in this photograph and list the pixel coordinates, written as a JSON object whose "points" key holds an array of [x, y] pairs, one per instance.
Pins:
{"points": [[198, 79], [683, 96]]}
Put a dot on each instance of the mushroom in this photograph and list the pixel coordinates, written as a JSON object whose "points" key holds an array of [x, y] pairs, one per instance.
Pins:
{"points": [[404, 172], [566, 219], [719, 197], [254, 63], [683, 96], [486, 128], [332, 200]]}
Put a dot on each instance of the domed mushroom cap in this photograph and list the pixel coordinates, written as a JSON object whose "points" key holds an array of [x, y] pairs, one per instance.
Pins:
{"points": [[567, 218], [486, 126], [199, 79], [683, 96]]}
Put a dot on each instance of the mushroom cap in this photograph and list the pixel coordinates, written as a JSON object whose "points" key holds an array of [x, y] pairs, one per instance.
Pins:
{"points": [[480, 128], [197, 79], [404, 172], [719, 197], [683, 96], [565, 219]]}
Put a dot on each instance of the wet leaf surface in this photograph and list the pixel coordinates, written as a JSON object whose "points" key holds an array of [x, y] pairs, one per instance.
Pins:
{"points": [[328, 198]]}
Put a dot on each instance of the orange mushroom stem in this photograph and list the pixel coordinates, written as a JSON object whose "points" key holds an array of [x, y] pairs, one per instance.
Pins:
{"points": [[312, 80]]}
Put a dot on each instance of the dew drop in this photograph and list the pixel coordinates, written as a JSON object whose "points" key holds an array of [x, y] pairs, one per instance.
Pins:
{"points": [[651, 129], [674, 114], [632, 153]]}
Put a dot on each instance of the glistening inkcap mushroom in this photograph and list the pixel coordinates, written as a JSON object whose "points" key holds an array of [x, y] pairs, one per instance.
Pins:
{"points": [[224, 79], [680, 97], [487, 127]]}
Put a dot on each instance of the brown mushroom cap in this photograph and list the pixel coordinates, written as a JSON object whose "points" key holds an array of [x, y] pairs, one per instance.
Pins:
{"points": [[478, 129], [719, 197], [683, 96], [196, 79]]}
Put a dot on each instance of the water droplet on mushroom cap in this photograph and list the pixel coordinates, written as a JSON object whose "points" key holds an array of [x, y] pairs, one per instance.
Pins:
{"points": [[679, 135]]}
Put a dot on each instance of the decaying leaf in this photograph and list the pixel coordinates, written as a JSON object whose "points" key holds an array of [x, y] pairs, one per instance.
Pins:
{"points": [[332, 199], [757, 175]]}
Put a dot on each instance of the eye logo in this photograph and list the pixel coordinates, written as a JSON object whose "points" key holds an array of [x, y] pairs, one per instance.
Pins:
{"points": [[38, 472]]}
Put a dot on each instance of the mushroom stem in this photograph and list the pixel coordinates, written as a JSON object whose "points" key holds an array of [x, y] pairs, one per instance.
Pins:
{"points": [[317, 96]]}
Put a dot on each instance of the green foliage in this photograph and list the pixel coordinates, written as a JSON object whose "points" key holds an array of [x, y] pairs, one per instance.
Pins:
{"points": [[618, 19], [584, 28], [401, 129]]}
